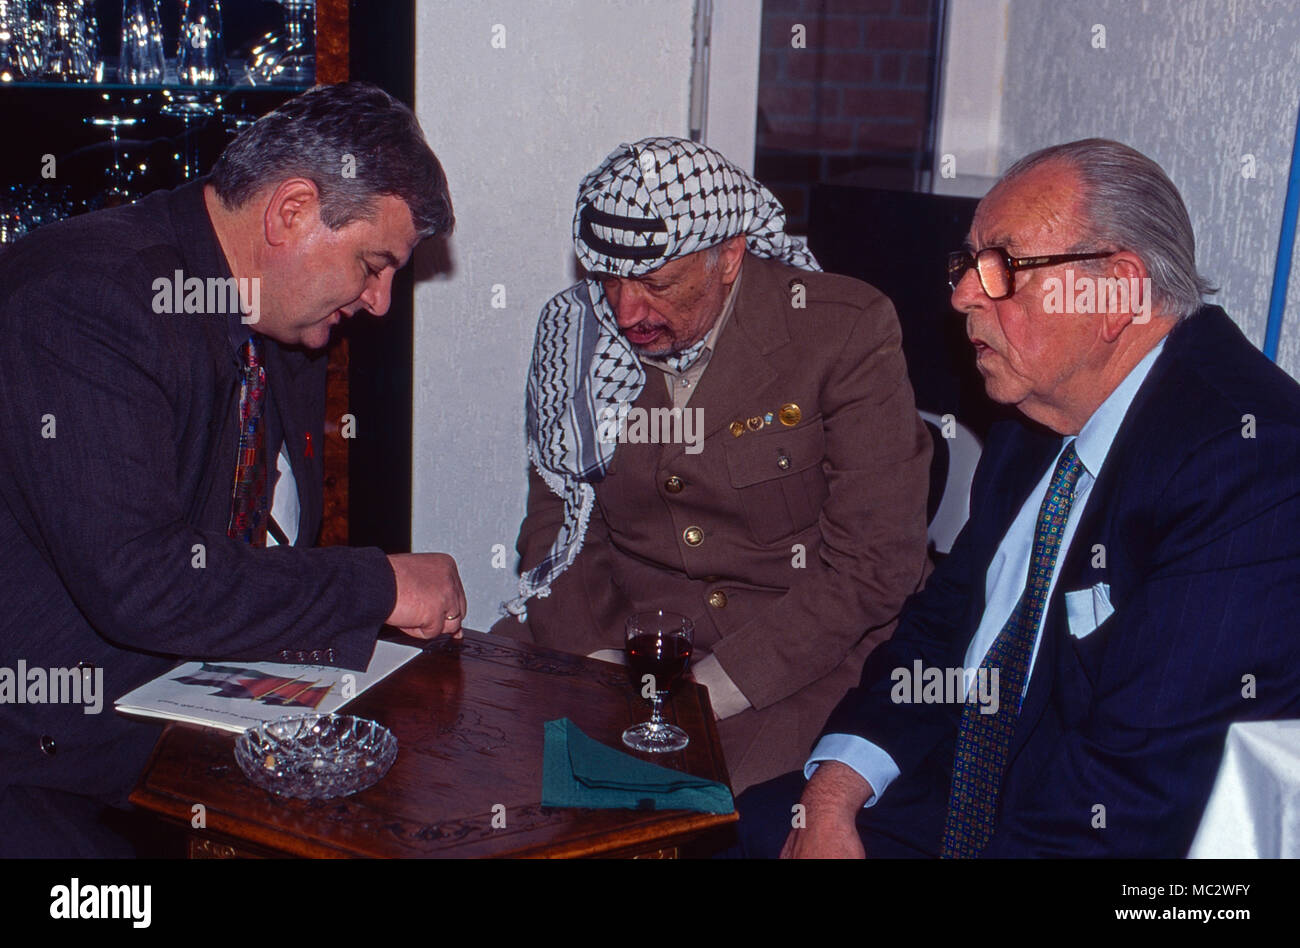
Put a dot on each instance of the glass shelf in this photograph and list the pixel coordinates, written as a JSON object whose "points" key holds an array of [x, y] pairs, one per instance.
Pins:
{"points": [[171, 82], [155, 87]]}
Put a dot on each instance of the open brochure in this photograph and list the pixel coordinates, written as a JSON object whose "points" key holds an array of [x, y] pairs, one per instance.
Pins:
{"points": [[235, 696]]}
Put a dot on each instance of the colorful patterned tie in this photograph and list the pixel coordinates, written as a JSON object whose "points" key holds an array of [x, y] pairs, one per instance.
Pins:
{"points": [[984, 740], [248, 500]]}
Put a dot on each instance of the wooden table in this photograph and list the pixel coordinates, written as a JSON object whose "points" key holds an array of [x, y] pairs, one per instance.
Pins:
{"points": [[468, 719]]}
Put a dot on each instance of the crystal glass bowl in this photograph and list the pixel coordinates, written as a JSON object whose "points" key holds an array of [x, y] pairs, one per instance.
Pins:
{"points": [[316, 756]]}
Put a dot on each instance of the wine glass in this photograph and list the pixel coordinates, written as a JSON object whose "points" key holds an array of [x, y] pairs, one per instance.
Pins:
{"points": [[70, 42], [192, 110], [288, 56], [117, 192], [15, 29], [299, 61], [200, 51], [142, 61], [658, 650], [13, 223]]}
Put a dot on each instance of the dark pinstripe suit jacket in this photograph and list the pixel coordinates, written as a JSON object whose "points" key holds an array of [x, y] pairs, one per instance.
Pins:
{"points": [[101, 524]]}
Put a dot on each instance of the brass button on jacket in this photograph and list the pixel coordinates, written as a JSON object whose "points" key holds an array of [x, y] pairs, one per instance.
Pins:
{"points": [[674, 484], [693, 536], [718, 599]]}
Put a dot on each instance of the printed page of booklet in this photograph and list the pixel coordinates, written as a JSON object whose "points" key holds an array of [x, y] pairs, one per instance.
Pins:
{"points": [[235, 696]]}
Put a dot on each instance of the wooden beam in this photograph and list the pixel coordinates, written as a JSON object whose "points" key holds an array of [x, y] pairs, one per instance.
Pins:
{"points": [[332, 65], [332, 48]]}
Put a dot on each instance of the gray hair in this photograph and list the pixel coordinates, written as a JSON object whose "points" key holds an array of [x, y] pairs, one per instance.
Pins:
{"points": [[356, 142], [1129, 203]]}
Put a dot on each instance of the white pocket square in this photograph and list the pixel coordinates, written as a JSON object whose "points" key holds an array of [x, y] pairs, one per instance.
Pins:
{"points": [[1088, 608]]}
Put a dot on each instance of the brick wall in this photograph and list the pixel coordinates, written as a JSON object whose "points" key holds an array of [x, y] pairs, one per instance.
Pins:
{"points": [[855, 96]]}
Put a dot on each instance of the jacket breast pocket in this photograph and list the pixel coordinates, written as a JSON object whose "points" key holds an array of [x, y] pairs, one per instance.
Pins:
{"points": [[777, 475]]}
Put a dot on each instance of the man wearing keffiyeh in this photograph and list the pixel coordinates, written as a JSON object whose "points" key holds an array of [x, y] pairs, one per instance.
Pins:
{"points": [[792, 525]]}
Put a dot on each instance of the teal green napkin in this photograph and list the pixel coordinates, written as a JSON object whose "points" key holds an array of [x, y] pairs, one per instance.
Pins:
{"points": [[577, 771]]}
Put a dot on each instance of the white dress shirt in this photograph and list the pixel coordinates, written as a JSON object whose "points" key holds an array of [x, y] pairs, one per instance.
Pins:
{"points": [[284, 500]]}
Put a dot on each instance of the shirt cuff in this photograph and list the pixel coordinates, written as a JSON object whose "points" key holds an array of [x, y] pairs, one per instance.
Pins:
{"points": [[869, 760], [726, 698]]}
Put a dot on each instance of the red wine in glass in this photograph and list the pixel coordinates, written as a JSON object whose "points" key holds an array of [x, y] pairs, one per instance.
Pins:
{"points": [[658, 647], [664, 656]]}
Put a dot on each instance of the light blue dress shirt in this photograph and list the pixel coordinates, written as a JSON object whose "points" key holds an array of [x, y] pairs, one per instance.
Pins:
{"points": [[1005, 580]]}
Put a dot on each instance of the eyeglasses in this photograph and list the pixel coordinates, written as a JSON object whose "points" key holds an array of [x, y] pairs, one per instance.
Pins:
{"points": [[997, 269]]}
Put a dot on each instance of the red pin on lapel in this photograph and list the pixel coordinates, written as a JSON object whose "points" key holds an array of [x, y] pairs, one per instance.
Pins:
{"points": [[310, 452]]}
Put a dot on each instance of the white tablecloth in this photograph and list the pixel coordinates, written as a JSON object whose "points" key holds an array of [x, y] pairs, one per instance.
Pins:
{"points": [[1254, 811]]}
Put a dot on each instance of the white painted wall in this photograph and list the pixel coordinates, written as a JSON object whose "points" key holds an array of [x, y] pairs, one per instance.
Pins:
{"points": [[516, 129], [1195, 84], [971, 95], [732, 118]]}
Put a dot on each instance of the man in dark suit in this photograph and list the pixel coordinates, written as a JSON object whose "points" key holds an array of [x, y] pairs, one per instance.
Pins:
{"points": [[162, 398], [1127, 583], [783, 509]]}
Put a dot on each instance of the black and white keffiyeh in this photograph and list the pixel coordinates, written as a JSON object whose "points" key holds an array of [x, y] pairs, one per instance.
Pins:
{"points": [[648, 203]]}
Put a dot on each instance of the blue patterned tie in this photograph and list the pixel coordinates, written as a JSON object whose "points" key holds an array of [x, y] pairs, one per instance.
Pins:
{"points": [[984, 740]]}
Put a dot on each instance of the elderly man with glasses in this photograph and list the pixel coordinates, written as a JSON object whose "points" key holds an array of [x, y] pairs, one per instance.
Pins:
{"points": [[1127, 583]]}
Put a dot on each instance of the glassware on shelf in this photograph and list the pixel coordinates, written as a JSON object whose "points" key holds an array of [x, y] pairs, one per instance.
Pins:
{"points": [[288, 57], [91, 36], [69, 44], [263, 56], [118, 191], [234, 122], [12, 222], [33, 43], [15, 34], [201, 51], [192, 110], [299, 61], [24, 207], [142, 61]]}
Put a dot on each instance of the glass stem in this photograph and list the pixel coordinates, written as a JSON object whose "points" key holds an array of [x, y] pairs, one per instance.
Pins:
{"points": [[656, 716]]}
